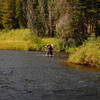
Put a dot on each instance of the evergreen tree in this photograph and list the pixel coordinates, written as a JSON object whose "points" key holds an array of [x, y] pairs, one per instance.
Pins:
{"points": [[83, 18], [31, 18], [1, 14], [21, 13], [8, 14]]}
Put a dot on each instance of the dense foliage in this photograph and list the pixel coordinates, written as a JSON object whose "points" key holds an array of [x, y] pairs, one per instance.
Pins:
{"points": [[70, 20], [88, 53]]}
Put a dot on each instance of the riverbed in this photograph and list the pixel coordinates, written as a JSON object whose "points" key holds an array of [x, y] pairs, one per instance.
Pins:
{"points": [[28, 75]]}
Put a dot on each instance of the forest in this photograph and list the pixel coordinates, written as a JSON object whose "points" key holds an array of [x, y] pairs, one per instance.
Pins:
{"points": [[73, 24]]}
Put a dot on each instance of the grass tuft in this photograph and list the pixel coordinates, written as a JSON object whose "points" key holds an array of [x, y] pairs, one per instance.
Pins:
{"points": [[88, 53]]}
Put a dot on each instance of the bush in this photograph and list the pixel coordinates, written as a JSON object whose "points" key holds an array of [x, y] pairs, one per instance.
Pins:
{"points": [[88, 53]]}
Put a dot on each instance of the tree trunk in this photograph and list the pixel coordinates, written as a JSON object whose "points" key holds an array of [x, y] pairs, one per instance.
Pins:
{"points": [[31, 15]]}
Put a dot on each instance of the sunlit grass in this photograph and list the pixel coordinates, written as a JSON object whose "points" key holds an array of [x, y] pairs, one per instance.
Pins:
{"points": [[22, 39], [88, 53], [54, 41], [15, 39], [22, 34]]}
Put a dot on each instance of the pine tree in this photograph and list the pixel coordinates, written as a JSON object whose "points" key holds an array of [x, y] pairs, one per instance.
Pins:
{"points": [[8, 15], [31, 19], [21, 13], [1, 14], [83, 18]]}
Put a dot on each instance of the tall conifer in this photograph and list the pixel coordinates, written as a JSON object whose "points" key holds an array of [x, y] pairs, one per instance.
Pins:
{"points": [[8, 15]]}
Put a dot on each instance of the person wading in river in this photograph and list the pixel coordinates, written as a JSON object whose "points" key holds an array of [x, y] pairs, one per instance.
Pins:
{"points": [[49, 49]]}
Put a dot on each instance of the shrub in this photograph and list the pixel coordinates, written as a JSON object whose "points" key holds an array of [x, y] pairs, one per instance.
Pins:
{"points": [[88, 53]]}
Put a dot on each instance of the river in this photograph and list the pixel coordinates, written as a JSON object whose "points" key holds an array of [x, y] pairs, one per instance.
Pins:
{"points": [[28, 75]]}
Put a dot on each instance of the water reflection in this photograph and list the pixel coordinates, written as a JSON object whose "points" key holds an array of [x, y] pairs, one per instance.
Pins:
{"points": [[78, 67]]}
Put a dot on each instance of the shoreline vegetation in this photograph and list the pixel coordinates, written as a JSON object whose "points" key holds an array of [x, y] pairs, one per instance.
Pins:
{"points": [[72, 26], [22, 39], [87, 54]]}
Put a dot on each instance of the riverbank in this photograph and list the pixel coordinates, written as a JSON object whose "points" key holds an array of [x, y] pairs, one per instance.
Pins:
{"points": [[87, 54], [22, 39]]}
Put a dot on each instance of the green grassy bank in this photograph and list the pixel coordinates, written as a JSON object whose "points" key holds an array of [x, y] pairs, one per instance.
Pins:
{"points": [[87, 54], [22, 39]]}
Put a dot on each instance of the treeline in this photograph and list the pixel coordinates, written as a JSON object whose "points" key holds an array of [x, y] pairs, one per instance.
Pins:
{"points": [[12, 14], [72, 20]]}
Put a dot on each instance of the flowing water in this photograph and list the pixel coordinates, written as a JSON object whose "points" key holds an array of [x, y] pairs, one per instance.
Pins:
{"points": [[32, 76]]}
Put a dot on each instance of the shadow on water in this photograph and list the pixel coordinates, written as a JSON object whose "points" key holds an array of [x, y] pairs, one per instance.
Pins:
{"points": [[79, 67]]}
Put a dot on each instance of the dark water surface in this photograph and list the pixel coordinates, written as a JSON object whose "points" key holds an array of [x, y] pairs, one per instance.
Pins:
{"points": [[32, 76]]}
